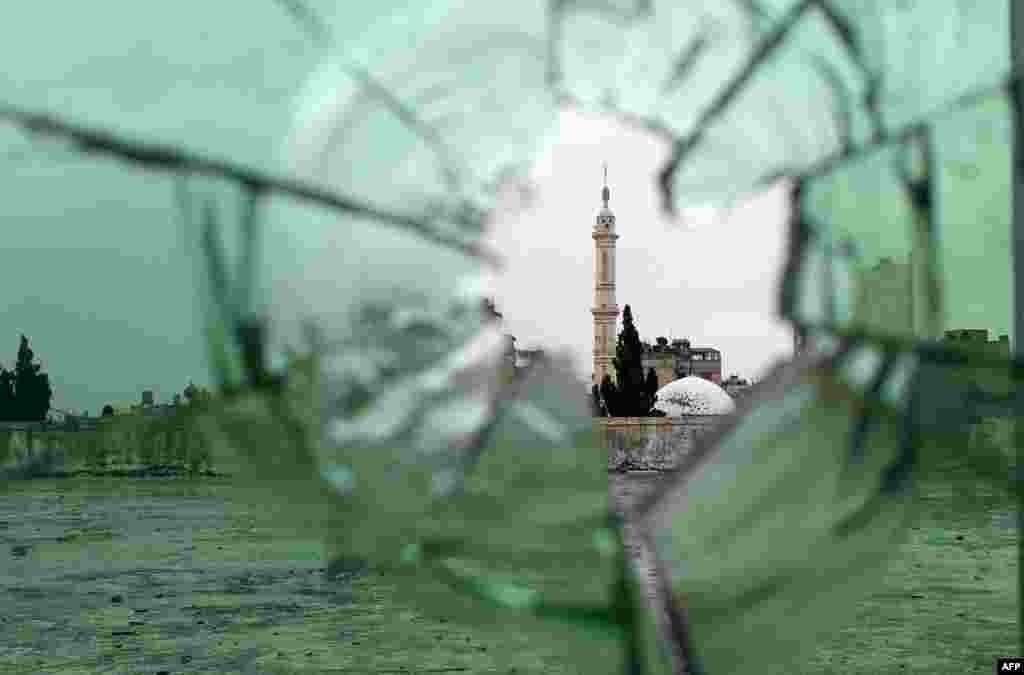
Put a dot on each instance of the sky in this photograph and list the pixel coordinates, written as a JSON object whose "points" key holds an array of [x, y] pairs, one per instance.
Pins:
{"points": [[95, 269], [712, 278]]}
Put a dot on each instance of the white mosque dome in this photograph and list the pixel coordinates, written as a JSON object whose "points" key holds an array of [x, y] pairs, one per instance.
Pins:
{"points": [[694, 396]]}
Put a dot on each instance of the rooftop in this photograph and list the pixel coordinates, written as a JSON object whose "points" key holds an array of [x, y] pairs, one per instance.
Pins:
{"points": [[694, 396]]}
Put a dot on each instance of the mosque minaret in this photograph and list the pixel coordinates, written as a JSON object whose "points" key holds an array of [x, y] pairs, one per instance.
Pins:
{"points": [[605, 311]]}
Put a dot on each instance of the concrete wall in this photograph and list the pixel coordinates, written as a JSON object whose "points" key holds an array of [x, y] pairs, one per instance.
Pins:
{"points": [[139, 444], [643, 450], [121, 445], [651, 443]]}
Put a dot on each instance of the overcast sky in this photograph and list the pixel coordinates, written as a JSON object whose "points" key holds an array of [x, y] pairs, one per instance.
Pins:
{"points": [[95, 269], [94, 266]]}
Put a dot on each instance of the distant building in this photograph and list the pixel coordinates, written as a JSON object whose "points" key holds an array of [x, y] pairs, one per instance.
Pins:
{"points": [[670, 361], [978, 338], [736, 386], [145, 406], [677, 359]]}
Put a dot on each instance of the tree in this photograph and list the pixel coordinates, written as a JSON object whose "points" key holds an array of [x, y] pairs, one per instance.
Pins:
{"points": [[651, 390], [32, 389], [108, 411], [8, 404], [631, 395], [631, 389], [651, 382]]}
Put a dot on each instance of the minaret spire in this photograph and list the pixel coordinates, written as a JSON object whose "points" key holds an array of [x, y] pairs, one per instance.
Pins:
{"points": [[604, 310], [605, 192]]}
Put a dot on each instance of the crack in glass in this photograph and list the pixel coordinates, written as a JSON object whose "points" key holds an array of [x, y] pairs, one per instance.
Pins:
{"points": [[844, 426], [388, 427]]}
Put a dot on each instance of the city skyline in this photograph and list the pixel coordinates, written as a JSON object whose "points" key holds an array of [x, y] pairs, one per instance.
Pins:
{"points": [[99, 277], [666, 271]]}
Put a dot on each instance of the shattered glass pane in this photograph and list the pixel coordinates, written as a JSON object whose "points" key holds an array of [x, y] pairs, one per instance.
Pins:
{"points": [[430, 465], [362, 381], [744, 557], [395, 101]]}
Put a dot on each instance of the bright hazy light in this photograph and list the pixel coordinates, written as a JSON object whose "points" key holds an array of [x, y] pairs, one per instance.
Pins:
{"points": [[712, 277]]}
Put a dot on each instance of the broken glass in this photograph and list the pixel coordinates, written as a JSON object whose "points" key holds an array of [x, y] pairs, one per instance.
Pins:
{"points": [[361, 375], [786, 512]]}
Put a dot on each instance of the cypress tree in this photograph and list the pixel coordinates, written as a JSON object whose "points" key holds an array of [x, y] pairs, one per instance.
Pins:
{"points": [[42, 397], [651, 388], [31, 386], [629, 370], [8, 409]]}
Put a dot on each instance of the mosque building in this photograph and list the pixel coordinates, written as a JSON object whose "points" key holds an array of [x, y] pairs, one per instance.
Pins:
{"points": [[694, 373], [677, 359], [671, 360]]}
